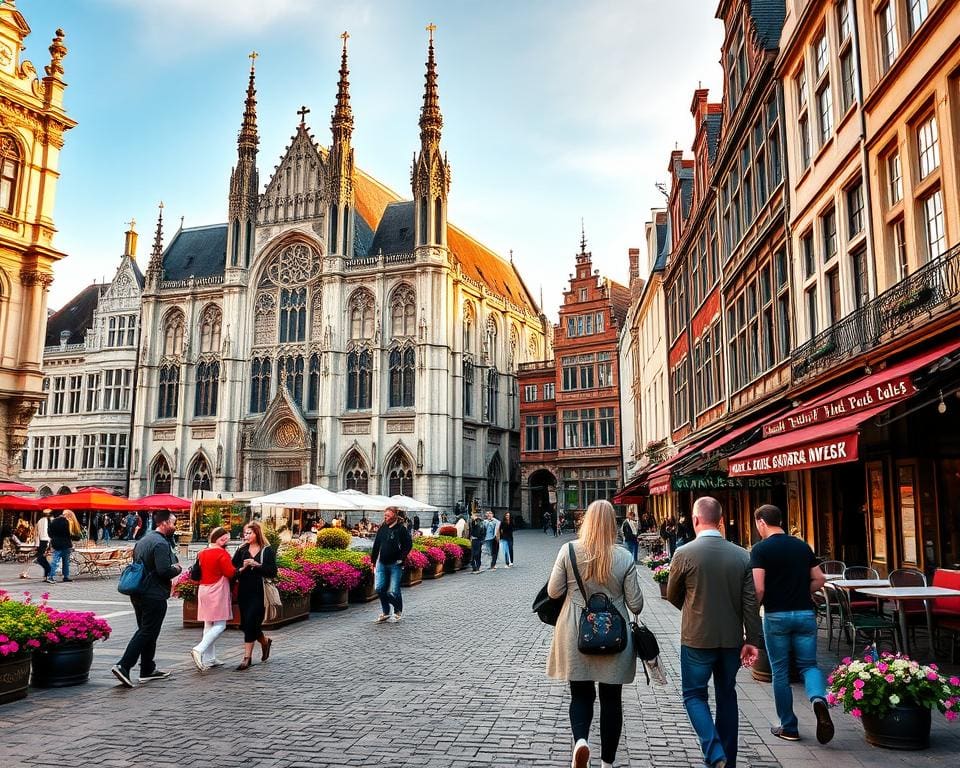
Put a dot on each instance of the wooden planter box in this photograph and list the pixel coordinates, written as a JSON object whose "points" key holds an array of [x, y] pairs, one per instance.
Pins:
{"points": [[411, 577], [364, 593], [322, 599], [293, 610], [433, 571], [190, 615], [452, 566], [14, 677]]}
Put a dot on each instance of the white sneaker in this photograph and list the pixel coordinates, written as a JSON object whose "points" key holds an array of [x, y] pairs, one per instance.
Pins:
{"points": [[198, 659], [215, 663], [381, 618], [581, 754], [397, 617]]}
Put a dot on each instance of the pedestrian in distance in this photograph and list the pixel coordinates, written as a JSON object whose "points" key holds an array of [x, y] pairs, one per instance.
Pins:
{"points": [[435, 523], [608, 568], [491, 537], [558, 526], [131, 525], [255, 561], [94, 529], [685, 531], [478, 532], [64, 529], [546, 522], [107, 526], [630, 529], [416, 523], [214, 597], [785, 575], [390, 549], [157, 553], [43, 544], [506, 538], [668, 532], [711, 582]]}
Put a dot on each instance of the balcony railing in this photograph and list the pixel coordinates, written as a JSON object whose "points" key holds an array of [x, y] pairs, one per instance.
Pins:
{"points": [[537, 365], [929, 291]]}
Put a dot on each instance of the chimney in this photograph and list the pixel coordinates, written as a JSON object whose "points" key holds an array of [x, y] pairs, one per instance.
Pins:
{"points": [[130, 241], [634, 255]]}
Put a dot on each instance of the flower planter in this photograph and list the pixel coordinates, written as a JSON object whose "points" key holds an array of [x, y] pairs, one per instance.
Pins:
{"points": [[452, 566], [411, 577], [663, 589], [324, 599], [433, 571], [292, 608], [62, 665], [185, 538], [14, 677], [903, 727], [365, 593]]}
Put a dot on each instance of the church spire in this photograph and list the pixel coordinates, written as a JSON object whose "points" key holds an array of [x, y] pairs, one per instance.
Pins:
{"points": [[431, 120], [248, 140], [155, 267], [342, 121], [340, 238]]}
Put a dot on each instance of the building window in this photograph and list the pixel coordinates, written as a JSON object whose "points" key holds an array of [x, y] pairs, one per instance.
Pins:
{"points": [[854, 210], [162, 479], [825, 112], [260, 372], [571, 429], [290, 375], [847, 83], [812, 310], [76, 393], [833, 295], [69, 451], [468, 374], [88, 452], [549, 391], [168, 392], [680, 397], [809, 258], [887, 27], [42, 405], [783, 306], [401, 476], [933, 223], [403, 313], [402, 369], [359, 379], [200, 476], [293, 314], [36, 453], [550, 432], [173, 334], [828, 224], [858, 262], [208, 384], [313, 392], [530, 393], [900, 248], [361, 316], [210, 323], [116, 389], [531, 433], [356, 477], [918, 13], [894, 178], [604, 370], [928, 146], [59, 394], [821, 54], [803, 125], [9, 171], [93, 392], [493, 393]]}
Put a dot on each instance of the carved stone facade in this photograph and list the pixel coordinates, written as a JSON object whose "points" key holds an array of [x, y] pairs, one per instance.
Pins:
{"points": [[32, 124]]}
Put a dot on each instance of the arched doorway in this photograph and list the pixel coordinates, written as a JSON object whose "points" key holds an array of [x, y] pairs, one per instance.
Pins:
{"points": [[542, 486]]}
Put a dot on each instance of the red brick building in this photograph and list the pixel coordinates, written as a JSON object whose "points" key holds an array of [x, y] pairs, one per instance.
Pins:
{"points": [[570, 405]]}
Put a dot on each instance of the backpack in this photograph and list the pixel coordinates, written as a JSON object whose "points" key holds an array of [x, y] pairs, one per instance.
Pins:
{"points": [[601, 629]]}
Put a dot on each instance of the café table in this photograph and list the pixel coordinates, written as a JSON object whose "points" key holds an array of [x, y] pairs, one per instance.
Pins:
{"points": [[901, 595], [90, 559], [859, 584]]}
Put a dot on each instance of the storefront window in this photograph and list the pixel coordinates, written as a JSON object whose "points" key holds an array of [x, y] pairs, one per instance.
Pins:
{"points": [[878, 513], [906, 488]]}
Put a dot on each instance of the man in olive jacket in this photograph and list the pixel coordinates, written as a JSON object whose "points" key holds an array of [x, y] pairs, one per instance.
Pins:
{"points": [[155, 551], [712, 583]]}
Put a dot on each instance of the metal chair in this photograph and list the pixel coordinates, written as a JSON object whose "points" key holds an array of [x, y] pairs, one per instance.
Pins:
{"points": [[863, 624], [833, 567], [915, 610], [860, 572], [827, 608]]}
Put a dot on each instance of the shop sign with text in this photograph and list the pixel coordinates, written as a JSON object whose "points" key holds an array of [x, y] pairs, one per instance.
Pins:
{"points": [[717, 481], [836, 450]]}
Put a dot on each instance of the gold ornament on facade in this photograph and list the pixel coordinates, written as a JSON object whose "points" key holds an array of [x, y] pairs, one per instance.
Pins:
{"points": [[288, 435], [57, 51]]}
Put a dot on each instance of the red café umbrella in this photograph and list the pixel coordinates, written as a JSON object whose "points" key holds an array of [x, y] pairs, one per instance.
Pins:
{"points": [[88, 498], [21, 504], [163, 501], [12, 486]]}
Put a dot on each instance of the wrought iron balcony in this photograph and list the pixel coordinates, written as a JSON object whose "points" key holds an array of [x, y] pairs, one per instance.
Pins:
{"points": [[930, 291]]}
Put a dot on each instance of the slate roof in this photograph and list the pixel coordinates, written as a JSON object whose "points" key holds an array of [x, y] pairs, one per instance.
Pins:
{"points": [[661, 261], [395, 233], [76, 316], [768, 18], [686, 190], [196, 252], [714, 122]]}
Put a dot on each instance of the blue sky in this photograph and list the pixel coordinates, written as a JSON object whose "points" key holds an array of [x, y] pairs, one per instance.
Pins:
{"points": [[554, 110]]}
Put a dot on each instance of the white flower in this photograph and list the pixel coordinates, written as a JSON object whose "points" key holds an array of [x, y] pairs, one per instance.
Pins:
{"points": [[894, 699], [864, 675]]}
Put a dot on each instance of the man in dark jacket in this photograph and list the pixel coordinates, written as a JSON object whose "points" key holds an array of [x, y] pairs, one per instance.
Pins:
{"points": [[390, 549], [155, 551], [478, 532]]}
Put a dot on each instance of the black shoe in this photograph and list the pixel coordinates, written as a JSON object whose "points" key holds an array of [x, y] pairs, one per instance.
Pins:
{"points": [[123, 675], [155, 675], [66, 580], [785, 735], [824, 723]]}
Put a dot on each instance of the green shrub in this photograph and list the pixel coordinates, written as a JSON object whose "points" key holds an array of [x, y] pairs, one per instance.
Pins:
{"points": [[333, 538]]}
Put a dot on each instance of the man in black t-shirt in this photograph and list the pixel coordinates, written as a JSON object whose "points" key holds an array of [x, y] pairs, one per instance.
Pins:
{"points": [[785, 574]]}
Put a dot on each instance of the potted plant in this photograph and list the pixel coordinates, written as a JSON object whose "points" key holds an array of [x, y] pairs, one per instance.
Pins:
{"points": [[655, 559], [23, 627], [436, 557], [892, 695], [454, 557], [661, 574], [333, 538], [413, 568], [295, 588], [364, 592], [334, 579], [66, 653]]}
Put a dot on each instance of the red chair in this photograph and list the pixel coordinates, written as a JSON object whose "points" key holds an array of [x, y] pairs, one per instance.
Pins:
{"points": [[946, 610]]}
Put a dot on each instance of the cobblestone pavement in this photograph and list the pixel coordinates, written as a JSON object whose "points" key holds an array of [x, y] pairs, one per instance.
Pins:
{"points": [[459, 683]]}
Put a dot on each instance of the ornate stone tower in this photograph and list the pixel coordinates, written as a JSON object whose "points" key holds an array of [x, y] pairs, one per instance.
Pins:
{"points": [[244, 183], [430, 176], [32, 125], [340, 167]]}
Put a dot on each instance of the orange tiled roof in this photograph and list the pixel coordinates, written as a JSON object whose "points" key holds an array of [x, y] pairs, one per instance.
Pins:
{"points": [[372, 198], [619, 300]]}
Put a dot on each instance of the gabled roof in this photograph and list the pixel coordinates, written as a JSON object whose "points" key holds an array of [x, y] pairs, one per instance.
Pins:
{"points": [[768, 18], [76, 316], [196, 252], [395, 233], [137, 274], [619, 300]]}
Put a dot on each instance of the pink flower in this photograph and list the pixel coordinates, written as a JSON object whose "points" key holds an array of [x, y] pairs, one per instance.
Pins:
{"points": [[856, 712], [955, 680], [45, 596], [881, 667], [858, 694], [831, 699], [932, 676], [847, 660], [858, 683], [889, 678], [951, 715], [33, 643]]}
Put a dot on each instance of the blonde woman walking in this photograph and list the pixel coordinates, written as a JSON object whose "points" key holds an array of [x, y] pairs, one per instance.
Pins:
{"points": [[214, 601], [608, 568], [64, 529]]}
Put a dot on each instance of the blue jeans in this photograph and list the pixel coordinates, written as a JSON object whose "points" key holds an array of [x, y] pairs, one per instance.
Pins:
{"points": [[476, 549], [718, 737], [633, 548], [796, 632], [507, 548], [387, 585], [58, 556]]}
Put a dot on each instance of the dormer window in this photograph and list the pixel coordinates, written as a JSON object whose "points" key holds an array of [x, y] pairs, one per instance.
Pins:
{"points": [[9, 172]]}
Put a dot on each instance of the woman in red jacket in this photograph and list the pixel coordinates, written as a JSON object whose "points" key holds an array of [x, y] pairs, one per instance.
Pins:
{"points": [[214, 600]]}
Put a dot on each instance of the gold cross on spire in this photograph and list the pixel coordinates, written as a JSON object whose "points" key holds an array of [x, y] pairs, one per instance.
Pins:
{"points": [[345, 36], [133, 223], [253, 57], [303, 112], [431, 28]]}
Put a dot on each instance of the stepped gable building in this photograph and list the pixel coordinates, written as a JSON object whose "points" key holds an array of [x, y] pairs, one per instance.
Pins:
{"points": [[570, 405], [80, 434], [32, 127], [333, 332]]}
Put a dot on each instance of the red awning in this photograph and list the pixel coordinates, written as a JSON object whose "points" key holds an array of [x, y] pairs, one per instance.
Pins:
{"points": [[834, 442], [20, 503], [659, 479], [633, 492], [734, 434], [886, 387]]}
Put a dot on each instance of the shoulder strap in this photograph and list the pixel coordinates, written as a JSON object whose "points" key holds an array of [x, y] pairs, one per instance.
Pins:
{"points": [[576, 571]]}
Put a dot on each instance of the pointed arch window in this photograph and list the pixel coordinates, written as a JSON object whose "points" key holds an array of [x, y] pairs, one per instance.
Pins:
{"points": [[356, 477], [235, 253], [169, 387], [400, 476], [293, 314], [260, 369], [424, 208], [361, 316], [359, 379], [403, 313], [493, 394], [173, 328], [490, 340], [210, 322], [313, 387], [334, 233], [162, 479], [208, 386], [290, 374], [9, 174], [248, 243], [494, 481], [402, 371], [200, 475], [438, 221], [468, 373]]}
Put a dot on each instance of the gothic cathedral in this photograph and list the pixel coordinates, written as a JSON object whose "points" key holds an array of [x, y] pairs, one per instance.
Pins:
{"points": [[332, 332]]}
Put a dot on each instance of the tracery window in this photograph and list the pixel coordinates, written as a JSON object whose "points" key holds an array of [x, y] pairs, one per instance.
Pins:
{"points": [[356, 477], [293, 314], [290, 375], [210, 322], [400, 475], [493, 394], [9, 173], [402, 372], [313, 386], [403, 313], [359, 379], [200, 475], [260, 369], [468, 373], [207, 390], [361, 315], [162, 480], [169, 387], [173, 329]]}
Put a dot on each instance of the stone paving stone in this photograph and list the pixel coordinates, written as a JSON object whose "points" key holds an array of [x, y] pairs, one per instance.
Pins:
{"points": [[459, 683]]}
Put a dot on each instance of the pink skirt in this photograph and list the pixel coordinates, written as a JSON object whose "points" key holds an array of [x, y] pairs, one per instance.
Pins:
{"points": [[214, 602]]}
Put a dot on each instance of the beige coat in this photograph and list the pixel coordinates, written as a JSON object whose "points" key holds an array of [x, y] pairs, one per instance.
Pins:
{"points": [[565, 661]]}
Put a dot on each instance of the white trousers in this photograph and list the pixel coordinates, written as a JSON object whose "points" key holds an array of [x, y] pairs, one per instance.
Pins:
{"points": [[207, 645]]}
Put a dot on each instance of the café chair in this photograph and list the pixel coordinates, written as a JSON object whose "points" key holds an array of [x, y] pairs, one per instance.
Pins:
{"points": [[867, 625], [833, 567], [946, 610]]}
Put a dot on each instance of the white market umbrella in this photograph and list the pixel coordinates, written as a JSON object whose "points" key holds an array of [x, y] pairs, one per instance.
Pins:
{"points": [[369, 502], [412, 505], [306, 496]]}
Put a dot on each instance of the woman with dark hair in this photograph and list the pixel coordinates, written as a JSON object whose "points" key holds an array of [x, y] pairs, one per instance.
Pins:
{"points": [[255, 561], [214, 601], [607, 568], [506, 538]]}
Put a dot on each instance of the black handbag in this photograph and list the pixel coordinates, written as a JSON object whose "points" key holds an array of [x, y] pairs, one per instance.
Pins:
{"points": [[644, 641], [601, 629], [548, 608]]}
